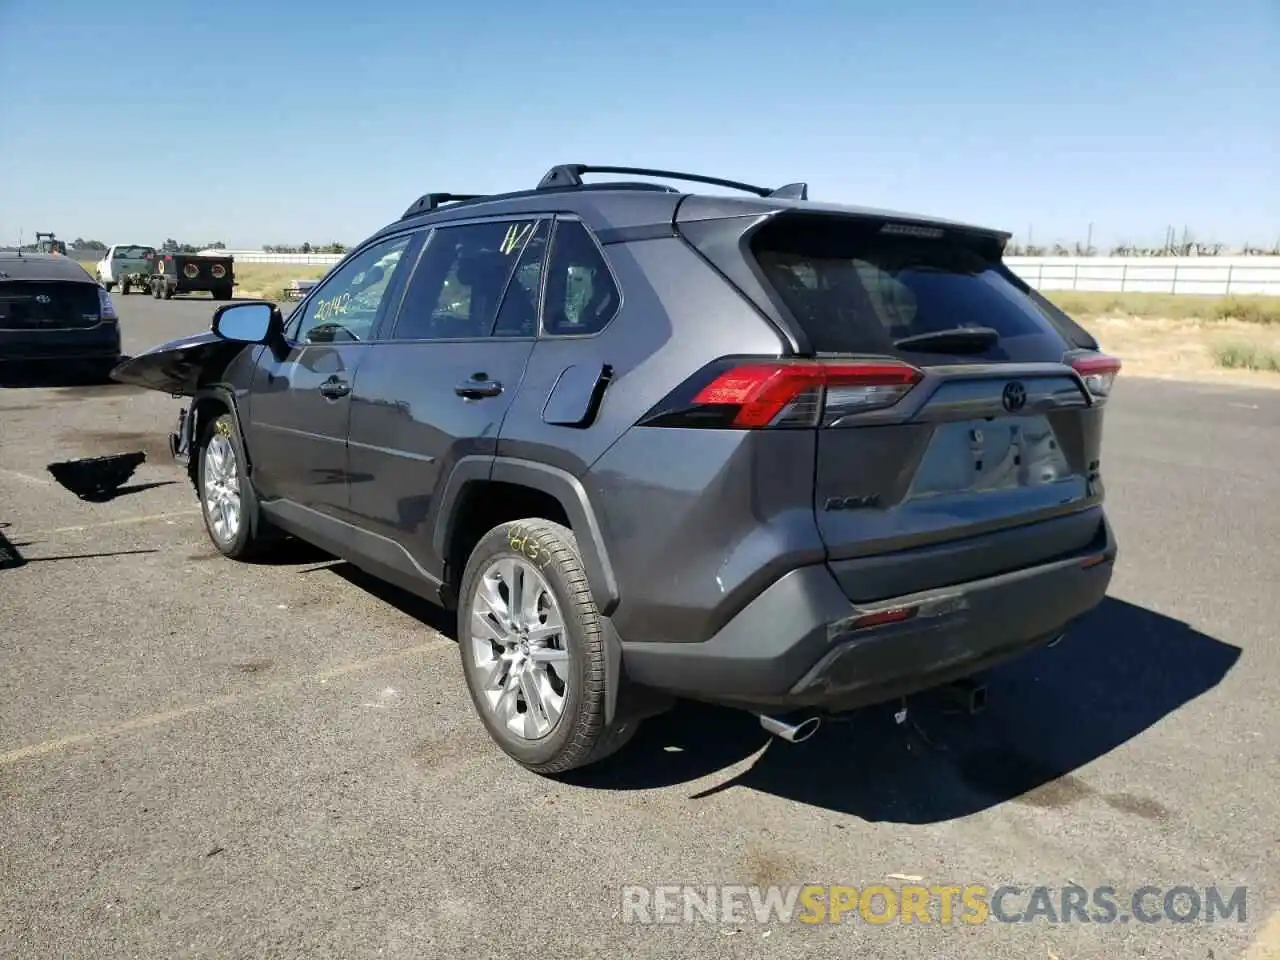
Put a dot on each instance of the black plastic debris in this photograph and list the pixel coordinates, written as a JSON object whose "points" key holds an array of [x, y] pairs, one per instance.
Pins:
{"points": [[10, 555], [97, 479]]}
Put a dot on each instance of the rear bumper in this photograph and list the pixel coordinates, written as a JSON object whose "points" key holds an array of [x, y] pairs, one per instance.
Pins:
{"points": [[93, 343], [797, 645]]}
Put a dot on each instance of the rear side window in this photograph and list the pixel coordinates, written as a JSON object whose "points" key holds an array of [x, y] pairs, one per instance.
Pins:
{"points": [[854, 289], [581, 295]]}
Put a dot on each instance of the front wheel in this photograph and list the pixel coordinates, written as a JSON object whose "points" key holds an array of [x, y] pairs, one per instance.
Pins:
{"points": [[227, 499], [532, 650]]}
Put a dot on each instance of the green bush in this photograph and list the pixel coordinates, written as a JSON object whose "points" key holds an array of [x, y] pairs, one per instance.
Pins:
{"points": [[1238, 356]]}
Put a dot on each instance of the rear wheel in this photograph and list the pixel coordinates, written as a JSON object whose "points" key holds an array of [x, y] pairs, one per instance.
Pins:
{"points": [[124, 288], [166, 291], [222, 293], [155, 289], [532, 649]]}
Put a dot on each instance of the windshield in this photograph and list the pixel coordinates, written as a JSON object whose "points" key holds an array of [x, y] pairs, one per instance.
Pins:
{"points": [[133, 253]]}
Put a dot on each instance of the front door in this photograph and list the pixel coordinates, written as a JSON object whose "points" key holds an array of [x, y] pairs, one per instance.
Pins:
{"points": [[301, 403], [439, 384]]}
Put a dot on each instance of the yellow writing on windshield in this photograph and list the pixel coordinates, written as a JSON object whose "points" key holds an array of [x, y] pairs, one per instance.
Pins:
{"points": [[333, 307], [516, 235]]}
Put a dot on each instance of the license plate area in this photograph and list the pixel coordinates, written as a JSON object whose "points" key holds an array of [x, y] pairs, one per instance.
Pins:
{"points": [[990, 455]]}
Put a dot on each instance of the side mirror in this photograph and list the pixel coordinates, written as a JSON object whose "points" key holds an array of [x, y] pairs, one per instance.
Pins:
{"points": [[248, 323]]}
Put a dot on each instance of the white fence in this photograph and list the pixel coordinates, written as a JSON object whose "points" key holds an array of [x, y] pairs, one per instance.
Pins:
{"points": [[297, 259], [1205, 275]]}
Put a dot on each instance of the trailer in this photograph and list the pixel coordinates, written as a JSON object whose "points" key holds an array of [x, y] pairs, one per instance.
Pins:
{"points": [[177, 273]]}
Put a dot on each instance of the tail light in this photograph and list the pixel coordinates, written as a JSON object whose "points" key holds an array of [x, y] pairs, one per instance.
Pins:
{"points": [[106, 308], [757, 394], [1098, 371]]}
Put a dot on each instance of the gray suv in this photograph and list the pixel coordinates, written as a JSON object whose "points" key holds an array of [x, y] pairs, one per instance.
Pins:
{"points": [[784, 456]]}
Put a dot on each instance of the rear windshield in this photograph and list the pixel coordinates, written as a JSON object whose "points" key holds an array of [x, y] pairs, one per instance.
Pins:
{"points": [[854, 289], [133, 253]]}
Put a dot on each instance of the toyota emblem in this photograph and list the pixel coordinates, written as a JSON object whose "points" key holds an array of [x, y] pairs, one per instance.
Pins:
{"points": [[1014, 396], [42, 298]]}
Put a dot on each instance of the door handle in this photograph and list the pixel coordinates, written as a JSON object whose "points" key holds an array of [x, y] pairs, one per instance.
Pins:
{"points": [[476, 389], [333, 388]]}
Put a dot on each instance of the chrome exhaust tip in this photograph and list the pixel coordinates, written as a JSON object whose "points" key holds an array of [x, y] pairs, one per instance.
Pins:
{"points": [[792, 733]]}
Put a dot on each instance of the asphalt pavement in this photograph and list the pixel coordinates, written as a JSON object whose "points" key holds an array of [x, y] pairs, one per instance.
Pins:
{"points": [[200, 758]]}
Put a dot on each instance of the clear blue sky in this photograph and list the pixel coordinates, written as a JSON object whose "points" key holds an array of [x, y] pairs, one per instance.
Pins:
{"points": [[277, 121]]}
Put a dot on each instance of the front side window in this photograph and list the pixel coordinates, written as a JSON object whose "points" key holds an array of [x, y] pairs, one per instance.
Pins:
{"points": [[462, 277], [346, 307]]}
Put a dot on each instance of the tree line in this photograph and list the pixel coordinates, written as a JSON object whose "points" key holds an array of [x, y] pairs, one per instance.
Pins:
{"points": [[171, 245]]}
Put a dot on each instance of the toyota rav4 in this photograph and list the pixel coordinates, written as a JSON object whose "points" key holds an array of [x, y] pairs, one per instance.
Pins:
{"points": [[784, 456]]}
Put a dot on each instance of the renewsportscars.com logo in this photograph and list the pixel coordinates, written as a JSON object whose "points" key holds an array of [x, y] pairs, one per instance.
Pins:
{"points": [[880, 904]]}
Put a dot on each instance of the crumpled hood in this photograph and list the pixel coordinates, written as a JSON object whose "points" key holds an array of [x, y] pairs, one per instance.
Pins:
{"points": [[179, 366]]}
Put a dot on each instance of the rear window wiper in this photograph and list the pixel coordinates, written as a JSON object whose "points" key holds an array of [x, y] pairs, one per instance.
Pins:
{"points": [[959, 340]]}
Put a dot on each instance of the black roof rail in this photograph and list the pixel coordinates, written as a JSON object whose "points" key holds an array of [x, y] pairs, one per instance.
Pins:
{"points": [[568, 175], [431, 201]]}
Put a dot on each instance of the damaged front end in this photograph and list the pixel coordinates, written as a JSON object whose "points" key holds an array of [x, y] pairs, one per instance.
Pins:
{"points": [[212, 369], [180, 439], [179, 367]]}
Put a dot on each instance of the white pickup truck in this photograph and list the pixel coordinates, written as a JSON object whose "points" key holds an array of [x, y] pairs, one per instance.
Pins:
{"points": [[128, 265]]}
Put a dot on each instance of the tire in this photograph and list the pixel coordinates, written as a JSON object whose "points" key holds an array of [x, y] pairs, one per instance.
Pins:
{"points": [[572, 660], [108, 284], [124, 289], [222, 293], [221, 481], [155, 290], [167, 292]]}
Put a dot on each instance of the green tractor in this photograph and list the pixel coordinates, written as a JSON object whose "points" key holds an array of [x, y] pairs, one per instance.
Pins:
{"points": [[48, 243]]}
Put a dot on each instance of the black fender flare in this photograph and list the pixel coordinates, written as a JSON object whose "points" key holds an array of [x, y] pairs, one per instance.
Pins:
{"points": [[223, 395], [559, 484], [569, 492]]}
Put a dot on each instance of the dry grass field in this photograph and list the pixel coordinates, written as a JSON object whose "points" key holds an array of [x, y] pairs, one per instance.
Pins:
{"points": [[1185, 337]]}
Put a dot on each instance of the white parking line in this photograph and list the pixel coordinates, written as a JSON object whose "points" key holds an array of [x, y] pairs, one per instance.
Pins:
{"points": [[27, 477], [146, 721], [147, 518]]}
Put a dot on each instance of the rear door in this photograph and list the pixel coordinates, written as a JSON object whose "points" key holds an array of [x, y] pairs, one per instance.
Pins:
{"points": [[437, 387], [301, 402], [993, 431]]}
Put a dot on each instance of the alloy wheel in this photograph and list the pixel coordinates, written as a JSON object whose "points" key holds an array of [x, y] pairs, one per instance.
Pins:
{"points": [[519, 649], [222, 488]]}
